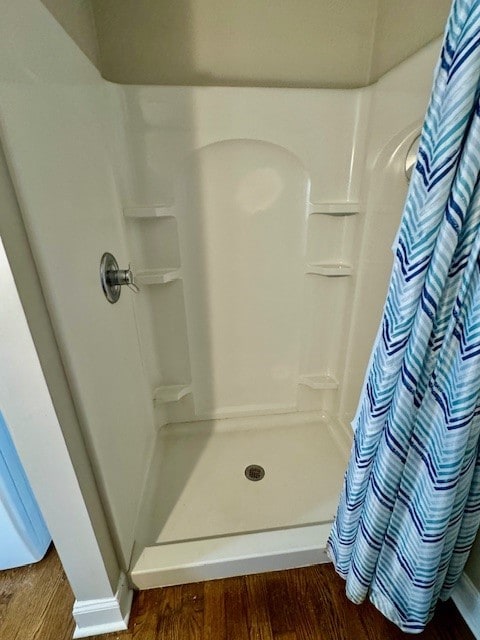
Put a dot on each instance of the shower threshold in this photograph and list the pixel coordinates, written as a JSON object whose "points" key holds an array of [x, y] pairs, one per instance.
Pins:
{"points": [[203, 518]]}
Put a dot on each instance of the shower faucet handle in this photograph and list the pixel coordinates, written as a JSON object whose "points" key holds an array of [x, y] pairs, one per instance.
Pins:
{"points": [[119, 276], [113, 278], [131, 284], [122, 277]]}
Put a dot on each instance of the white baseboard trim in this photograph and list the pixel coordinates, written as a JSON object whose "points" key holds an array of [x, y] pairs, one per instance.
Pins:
{"points": [[467, 599], [104, 615]]}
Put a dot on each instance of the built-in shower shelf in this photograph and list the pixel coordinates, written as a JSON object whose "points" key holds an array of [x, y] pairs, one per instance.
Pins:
{"points": [[157, 276], [156, 211], [171, 393], [333, 208], [318, 381], [330, 270]]}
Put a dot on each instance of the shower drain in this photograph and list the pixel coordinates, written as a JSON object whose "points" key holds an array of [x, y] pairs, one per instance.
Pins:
{"points": [[254, 472]]}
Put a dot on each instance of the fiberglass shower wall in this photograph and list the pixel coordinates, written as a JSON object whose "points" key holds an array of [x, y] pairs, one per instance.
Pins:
{"points": [[395, 116], [240, 207]]}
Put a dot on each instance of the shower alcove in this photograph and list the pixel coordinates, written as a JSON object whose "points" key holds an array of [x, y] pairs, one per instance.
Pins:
{"points": [[267, 303], [245, 290], [255, 243], [258, 223]]}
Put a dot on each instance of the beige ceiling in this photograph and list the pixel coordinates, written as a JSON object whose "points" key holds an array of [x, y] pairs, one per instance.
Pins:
{"points": [[76, 17], [294, 43]]}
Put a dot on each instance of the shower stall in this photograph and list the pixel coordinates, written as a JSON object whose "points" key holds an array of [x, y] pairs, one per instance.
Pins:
{"points": [[257, 224], [245, 212]]}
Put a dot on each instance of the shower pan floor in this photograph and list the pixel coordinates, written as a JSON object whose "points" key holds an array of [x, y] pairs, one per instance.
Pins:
{"points": [[203, 518]]}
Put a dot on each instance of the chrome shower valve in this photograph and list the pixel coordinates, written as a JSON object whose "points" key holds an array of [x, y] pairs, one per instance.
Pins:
{"points": [[113, 278]]}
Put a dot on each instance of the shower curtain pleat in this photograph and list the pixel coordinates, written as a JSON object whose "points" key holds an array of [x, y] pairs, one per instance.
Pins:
{"points": [[410, 505]]}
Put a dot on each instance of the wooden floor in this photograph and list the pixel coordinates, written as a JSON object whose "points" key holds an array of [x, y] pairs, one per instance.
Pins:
{"points": [[301, 604], [36, 602]]}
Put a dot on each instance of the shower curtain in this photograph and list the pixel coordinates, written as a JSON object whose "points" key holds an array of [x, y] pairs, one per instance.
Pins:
{"points": [[410, 505]]}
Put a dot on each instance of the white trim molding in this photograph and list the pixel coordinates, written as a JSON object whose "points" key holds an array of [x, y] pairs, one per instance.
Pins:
{"points": [[467, 599], [104, 615]]}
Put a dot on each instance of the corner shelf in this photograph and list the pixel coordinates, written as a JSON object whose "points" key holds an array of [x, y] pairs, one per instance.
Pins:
{"points": [[155, 211], [171, 393], [157, 276], [333, 208], [318, 381], [330, 270]]}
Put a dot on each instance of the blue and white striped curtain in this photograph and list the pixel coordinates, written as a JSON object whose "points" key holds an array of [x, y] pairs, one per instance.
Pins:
{"points": [[410, 505]]}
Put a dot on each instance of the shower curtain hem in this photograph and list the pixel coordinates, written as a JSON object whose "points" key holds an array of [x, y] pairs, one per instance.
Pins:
{"points": [[379, 601], [385, 607]]}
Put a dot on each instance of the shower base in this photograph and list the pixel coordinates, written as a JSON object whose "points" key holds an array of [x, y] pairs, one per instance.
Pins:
{"points": [[202, 518]]}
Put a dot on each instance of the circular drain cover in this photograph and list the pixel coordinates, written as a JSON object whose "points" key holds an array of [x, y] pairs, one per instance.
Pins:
{"points": [[254, 472]]}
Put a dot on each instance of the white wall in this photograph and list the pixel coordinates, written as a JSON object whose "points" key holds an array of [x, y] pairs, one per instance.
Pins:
{"points": [[15, 240], [52, 108]]}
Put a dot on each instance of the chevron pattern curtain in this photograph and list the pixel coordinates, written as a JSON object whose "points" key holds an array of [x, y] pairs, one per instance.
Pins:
{"points": [[410, 505]]}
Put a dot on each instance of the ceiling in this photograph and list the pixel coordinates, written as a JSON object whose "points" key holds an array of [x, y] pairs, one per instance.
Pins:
{"points": [[290, 43]]}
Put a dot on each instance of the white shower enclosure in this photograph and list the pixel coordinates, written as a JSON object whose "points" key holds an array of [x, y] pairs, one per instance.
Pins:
{"points": [[258, 224]]}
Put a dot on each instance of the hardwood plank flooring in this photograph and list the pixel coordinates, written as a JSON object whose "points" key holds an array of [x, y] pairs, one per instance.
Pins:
{"points": [[301, 604], [36, 602]]}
